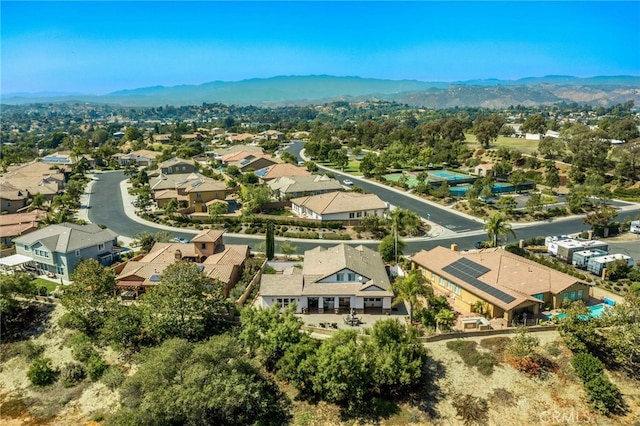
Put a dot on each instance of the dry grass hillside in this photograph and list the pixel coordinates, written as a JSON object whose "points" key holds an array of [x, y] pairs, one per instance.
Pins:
{"points": [[512, 397]]}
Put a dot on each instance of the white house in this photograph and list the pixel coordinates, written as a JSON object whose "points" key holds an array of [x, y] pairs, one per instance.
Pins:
{"points": [[339, 206], [332, 280]]}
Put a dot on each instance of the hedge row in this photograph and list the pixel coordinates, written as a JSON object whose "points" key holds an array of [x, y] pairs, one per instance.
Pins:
{"points": [[603, 395]]}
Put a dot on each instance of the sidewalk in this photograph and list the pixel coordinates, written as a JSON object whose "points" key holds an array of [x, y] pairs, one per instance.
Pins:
{"points": [[447, 233]]}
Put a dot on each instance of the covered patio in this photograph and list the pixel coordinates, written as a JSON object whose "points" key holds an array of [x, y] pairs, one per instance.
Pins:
{"points": [[17, 263]]}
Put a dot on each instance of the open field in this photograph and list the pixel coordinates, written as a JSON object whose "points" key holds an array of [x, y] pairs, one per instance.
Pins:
{"points": [[523, 145]]}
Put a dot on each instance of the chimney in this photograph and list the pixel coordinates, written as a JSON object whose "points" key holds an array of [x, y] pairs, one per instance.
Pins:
{"points": [[521, 244], [604, 273], [454, 247], [590, 234], [178, 254]]}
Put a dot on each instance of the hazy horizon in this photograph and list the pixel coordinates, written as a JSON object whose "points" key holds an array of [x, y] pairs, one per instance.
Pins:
{"points": [[98, 48]]}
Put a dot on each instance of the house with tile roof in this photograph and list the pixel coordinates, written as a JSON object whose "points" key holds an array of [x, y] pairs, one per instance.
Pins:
{"points": [[506, 284], [38, 178], [332, 280], [286, 187], [246, 160], [12, 199], [351, 206], [142, 157], [216, 260], [177, 166], [57, 249], [275, 171], [192, 190], [15, 225]]}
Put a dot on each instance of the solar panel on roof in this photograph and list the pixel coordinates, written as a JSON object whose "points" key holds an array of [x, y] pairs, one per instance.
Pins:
{"points": [[469, 271], [154, 278], [200, 268]]}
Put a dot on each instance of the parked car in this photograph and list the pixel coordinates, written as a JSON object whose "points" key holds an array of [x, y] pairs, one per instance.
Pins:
{"points": [[180, 240], [347, 182]]}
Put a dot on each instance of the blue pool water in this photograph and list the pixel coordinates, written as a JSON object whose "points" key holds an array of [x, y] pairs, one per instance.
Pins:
{"points": [[594, 312]]}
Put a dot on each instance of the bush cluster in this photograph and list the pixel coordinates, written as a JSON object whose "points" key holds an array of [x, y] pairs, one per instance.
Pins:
{"points": [[472, 357], [72, 373], [603, 395], [41, 373]]}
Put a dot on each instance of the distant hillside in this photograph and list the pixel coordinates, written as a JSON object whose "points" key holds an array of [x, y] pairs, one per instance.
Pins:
{"points": [[290, 90]]}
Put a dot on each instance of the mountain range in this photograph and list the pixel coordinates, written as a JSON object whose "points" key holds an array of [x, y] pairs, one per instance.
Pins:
{"points": [[318, 89]]}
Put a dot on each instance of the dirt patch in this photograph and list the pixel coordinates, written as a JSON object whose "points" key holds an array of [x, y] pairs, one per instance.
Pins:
{"points": [[24, 404]]}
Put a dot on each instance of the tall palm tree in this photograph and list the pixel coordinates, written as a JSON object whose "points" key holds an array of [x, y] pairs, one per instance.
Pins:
{"points": [[445, 318], [409, 289], [497, 226]]}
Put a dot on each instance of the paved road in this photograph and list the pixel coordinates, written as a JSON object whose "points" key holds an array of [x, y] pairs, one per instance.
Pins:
{"points": [[439, 215], [106, 208]]}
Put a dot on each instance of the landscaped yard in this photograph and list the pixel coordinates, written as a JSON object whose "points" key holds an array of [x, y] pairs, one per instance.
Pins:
{"points": [[525, 146], [50, 285]]}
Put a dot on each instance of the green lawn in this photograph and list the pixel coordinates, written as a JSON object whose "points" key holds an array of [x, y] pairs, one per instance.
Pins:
{"points": [[50, 285], [352, 168], [523, 145]]}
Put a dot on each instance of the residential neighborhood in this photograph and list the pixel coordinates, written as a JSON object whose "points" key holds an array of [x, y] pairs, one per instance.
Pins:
{"points": [[356, 261]]}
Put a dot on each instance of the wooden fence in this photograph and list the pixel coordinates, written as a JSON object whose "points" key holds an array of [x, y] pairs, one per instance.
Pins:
{"points": [[254, 281]]}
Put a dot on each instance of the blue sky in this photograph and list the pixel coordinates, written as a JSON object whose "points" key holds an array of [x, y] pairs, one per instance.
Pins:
{"points": [[100, 47]]}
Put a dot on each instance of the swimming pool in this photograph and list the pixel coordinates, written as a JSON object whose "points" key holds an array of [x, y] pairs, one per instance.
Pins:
{"points": [[595, 311]]}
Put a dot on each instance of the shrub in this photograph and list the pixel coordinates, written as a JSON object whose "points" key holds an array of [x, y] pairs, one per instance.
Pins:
{"points": [[587, 366], [72, 373], [497, 345], [95, 367], [269, 270], [113, 377], [603, 395], [472, 409], [70, 321], [532, 366], [471, 357], [81, 347], [30, 350], [40, 372]]}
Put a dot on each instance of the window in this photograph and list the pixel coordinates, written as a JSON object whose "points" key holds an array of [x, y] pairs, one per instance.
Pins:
{"points": [[8, 203], [351, 277], [433, 276], [579, 294], [340, 277], [442, 282], [184, 168], [169, 170], [573, 296], [359, 214], [27, 248], [41, 253], [198, 196], [100, 247], [203, 246], [458, 290], [539, 296], [60, 270], [352, 215], [77, 253], [565, 296]]}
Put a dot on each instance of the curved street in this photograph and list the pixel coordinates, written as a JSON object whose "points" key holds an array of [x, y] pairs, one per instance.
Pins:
{"points": [[106, 207]]}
